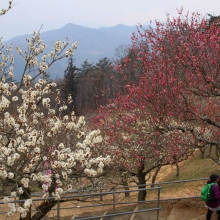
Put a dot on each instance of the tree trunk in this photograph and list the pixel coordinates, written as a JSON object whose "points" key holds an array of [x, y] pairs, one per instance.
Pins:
{"points": [[202, 150], [126, 187], [210, 150], [217, 153], [141, 183], [177, 169], [155, 176], [47, 205], [124, 182], [43, 209]]}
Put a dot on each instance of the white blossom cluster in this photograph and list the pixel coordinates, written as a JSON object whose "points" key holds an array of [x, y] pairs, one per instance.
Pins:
{"points": [[43, 137], [6, 67], [22, 210], [31, 144], [38, 141]]}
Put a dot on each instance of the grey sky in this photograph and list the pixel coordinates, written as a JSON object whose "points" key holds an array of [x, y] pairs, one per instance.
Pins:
{"points": [[28, 15]]}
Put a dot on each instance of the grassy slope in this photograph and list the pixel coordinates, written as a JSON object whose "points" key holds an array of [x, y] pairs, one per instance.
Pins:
{"points": [[193, 168]]}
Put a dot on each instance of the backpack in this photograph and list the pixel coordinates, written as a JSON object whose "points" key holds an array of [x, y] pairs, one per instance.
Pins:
{"points": [[206, 192]]}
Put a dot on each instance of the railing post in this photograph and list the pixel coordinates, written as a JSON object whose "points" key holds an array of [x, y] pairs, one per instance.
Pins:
{"points": [[101, 185], [114, 199], [58, 209], [158, 202], [101, 197]]}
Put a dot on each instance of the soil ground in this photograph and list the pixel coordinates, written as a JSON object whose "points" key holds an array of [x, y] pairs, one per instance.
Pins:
{"points": [[166, 207]]}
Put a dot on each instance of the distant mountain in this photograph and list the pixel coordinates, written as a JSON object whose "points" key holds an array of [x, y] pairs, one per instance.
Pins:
{"points": [[119, 29], [94, 44]]}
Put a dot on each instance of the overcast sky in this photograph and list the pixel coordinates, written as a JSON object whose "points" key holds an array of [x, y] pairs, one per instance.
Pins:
{"points": [[28, 15]]}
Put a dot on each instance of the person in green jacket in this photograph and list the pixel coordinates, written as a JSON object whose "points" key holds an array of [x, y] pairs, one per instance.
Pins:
{"points": [[215, 192]]}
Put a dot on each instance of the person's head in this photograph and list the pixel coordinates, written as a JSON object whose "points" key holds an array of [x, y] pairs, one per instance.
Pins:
{"points": [[214, 178]]}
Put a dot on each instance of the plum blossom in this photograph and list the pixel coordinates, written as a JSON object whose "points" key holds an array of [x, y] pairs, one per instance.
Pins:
{"points": [[38, 142]]}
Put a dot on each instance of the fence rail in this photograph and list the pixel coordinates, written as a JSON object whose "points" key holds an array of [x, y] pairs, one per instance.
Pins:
{"points": [[103, 192]]}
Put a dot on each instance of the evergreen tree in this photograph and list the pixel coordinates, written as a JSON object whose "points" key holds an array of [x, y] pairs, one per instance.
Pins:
{"points": [[213, 19], [104, 64], [86, 68], [70, 81]]}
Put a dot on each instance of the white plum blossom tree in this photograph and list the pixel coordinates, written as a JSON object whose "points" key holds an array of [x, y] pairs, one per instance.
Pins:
{"points": [[38, 141]]}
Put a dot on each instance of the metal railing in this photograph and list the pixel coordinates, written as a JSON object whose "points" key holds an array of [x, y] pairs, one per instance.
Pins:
{"points": [[113, 203]]}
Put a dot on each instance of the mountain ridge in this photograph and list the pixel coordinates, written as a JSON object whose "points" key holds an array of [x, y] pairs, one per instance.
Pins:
{"points": [[94, 44]]}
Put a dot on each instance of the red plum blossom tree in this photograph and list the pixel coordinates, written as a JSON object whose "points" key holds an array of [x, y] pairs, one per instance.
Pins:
{"points": [[174, 108]]}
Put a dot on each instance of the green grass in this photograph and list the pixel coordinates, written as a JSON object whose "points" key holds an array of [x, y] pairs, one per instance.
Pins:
{"points": [[194, 168]]}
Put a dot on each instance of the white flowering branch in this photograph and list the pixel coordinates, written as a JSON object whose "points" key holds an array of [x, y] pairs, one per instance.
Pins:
{"points": [[4, 11]]}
